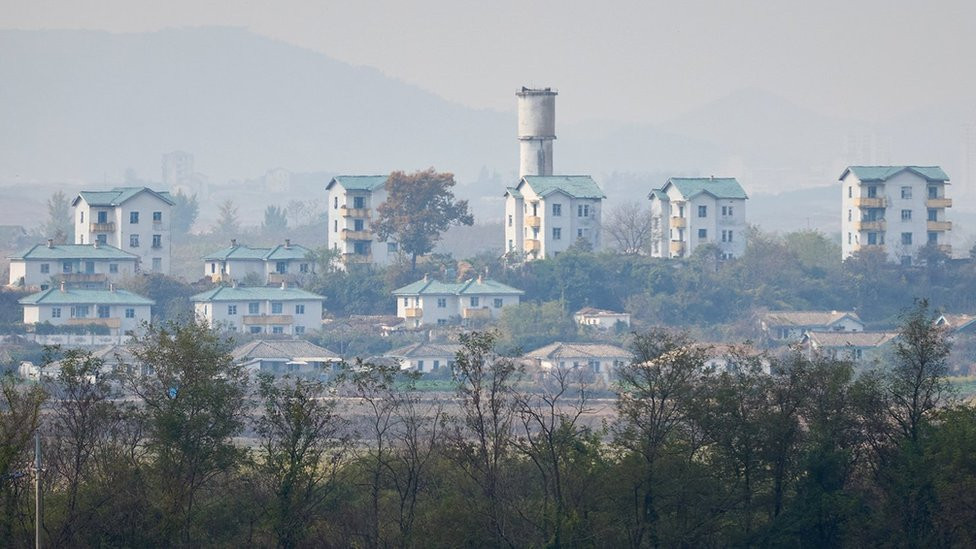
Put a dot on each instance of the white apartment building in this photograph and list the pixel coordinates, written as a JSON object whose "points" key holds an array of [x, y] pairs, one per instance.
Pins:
{"points": [[286, 262], [353, 200], [120, 311], [688, 212], [546, 214], [80, 265], [133, 219], [894, 209], [260, 310], [428, 301]]}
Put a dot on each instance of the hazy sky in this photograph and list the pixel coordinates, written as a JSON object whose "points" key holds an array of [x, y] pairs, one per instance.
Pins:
{"points": [[636, 60]]}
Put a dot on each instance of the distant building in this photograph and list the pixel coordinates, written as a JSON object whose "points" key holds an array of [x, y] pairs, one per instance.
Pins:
{"points": [[353, 200], [118, 310], [958, 323], [286, 262], [894, 209], [433, 302], [260, 310], [688, 212], [79, 265], [133, 219], [545, 215], [285, 356], [852, 346], [599, 358], [793, 325], [601, 319], [425, 357]]}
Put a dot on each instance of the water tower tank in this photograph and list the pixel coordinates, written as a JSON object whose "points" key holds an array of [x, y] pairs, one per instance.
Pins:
{"points": [[536, 130]]}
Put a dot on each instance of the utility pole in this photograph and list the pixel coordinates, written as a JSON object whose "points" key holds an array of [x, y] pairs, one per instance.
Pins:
{"points": [[37, 488]]}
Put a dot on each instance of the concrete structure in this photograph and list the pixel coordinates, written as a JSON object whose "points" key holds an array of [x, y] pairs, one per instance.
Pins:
{"points": [[282, 263], [688, 212], [852, 346], [133, 219], [599, 358], [536, 130], [285, 356], [118, 310], [428, 302], [260, 310], [353, 200], [601, 319], [897, 210], [545, 215], [793, 325], [79, 265], [425, 357]]}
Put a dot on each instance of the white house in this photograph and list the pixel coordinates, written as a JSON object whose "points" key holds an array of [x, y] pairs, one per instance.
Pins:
{"points": [[853, 346], [546, 214], [285, 356], [260, 310], [286, 262], [425, 357], [133, 219], [690, 211], [353, 200], [120, 311], [792, 325], [80, 265], [433, 302], [600, 358], [894, 209], [601, 319]]}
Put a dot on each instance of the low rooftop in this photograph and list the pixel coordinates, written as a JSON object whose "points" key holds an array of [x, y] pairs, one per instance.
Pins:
{"points": [[474, 286], [73, 296], [255, 293]]}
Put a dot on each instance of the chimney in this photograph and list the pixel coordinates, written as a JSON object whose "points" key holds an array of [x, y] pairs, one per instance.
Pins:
{"points": [[62, 286], [95, 244], [284, 284], [425, 277], [111, 287], [233, 242], [287, 243], [233, 283], [480, 279], [50, 243]]}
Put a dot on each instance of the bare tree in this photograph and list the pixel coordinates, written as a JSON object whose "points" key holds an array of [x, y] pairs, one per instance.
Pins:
{"points": [[630, 227]]}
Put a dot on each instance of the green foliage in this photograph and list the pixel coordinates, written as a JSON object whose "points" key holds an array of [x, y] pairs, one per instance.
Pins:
{"points": [[528, 326], [172, 296], [60, 225], [185, 211], [227, 225], [275, 221]]}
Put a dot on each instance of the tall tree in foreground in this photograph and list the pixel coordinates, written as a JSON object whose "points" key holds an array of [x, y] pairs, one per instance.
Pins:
{"points": [[20, 410], [418, 208]]}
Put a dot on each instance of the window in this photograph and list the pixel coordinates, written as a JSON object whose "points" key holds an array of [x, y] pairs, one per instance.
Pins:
{"points": [[420, 365], [933, 214], [253, 308], [437, 364], [850, 215], [358, 224], [906, 260], [906, 239], [45, 268], [299, 330], [702, 234], [391, 247], [498, 303], [102, 311], [55, 312], [113, 268], [276, 308], [872, 191], [933, 192], [231, 310], [359, 202], [255, 329], [157, 241], [557, 233], [406, 302], [850, 192], [157, 217], [849, 238], [300, 309], [335, 202], [441, 302], [702, 211], [474, 301], [101, 239], [66, 267], [361, 248], [933, 237], [281, 267], [79, 311], [103, 217], [335, 226], [511, 244], [906, 192], [509, 220], [157, 264], [726, 211], [303, 267], [579, 233], [906, 215], [583, 210], [133, 241], [441, 321], [82, 220], [557, 210], [726, 235], [277, 329], [133, 217], [872, 239]]}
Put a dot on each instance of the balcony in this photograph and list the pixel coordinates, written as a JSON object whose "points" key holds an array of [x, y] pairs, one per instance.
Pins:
{"points": [[677, 247], [938, 225], [533, 221], [938, 203], [876, 225], [413, 312], [870, 202], [678, 222], [346, 211], [82, 277], [108, 227], [220, 277], [266, 320], [532, 245], [476, 312], [347, 234], [115, 323], [357, 258]]}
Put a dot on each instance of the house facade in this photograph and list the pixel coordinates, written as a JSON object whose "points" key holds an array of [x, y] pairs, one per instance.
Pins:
{"points": [[428, 301], [897, 210], [601, 319], [546, 214], [852, 346], [132, 219], [118, 310], [79, 265], [688, 212], [425, 357], [285, 357], [599, 358], [260, 310], [353, 200], [787, 326], [286, 262]]}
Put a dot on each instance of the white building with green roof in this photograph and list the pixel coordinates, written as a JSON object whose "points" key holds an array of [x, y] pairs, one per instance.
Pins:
{"points": [[260, 310], [429, 301], [353, 200], [546, 214], [80, 265], [133, 219], [897, 210], [119, 310], [286, 262], [688, 212]]}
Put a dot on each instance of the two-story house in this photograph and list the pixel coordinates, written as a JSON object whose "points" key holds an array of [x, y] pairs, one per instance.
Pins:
{"points": [[133, 219], [286, 262], [353, 200], [260, 310], [546, 214], [80, 265], [688, 212], [118, 310], [430, 301], [894, 209]]}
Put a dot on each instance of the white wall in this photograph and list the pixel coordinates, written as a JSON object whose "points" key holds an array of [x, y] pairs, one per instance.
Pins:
{"points": [[145, 203], [31, 269], [218, 313]]}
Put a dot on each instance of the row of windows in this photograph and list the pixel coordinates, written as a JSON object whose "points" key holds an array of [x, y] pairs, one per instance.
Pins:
{"points": [[68, 267], [726, 235], [81, 311], [876, 238], [358, 202], [157, 217], [299, 330], [872, 214], [474, 301], [582, 210], [157, 240], [254, 308], [906, 192]]}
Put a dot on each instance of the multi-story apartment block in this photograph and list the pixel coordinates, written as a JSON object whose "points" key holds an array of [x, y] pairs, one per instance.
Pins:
{"points": [[546, 214], [133, 219], [353, 200], [432, 302], [688, 212], [260, 310], [286, 262], [79, 265], [120, 311], [894, 209]]}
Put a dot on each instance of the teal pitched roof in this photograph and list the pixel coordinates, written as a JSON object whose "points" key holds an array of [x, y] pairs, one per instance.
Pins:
{"points": [[74, 251], [277, 253], [883, 173], [469, 287], [358, 182], [118, 195], [256, 293], [71, 296], [576, 186], [719, 187], [659, 194], [513, 191]]}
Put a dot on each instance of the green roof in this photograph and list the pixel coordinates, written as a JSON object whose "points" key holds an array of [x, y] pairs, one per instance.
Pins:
{"points": [[513, 191], [255, 293], [659, 194], [576, 186], [719, 187], [359, 182], [277, 253], [74, 251], [469, 287], [71, 296], [117, 196], [883, 173]]}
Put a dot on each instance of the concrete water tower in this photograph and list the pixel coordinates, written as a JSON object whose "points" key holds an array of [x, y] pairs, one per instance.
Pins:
{"points": [[536, 130]]}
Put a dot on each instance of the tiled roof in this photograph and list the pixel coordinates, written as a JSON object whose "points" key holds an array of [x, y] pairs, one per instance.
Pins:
{"points": [[255, 293], [470, 287], [579, 350], [719, 187], [279, 252], [851, 339], [72, 296], [807, 318], [576, 186], [513, 191], [118, 195], [359, 182], [74, 251], [424, 350], [659, 194], [883, 173], [288, 349]]}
